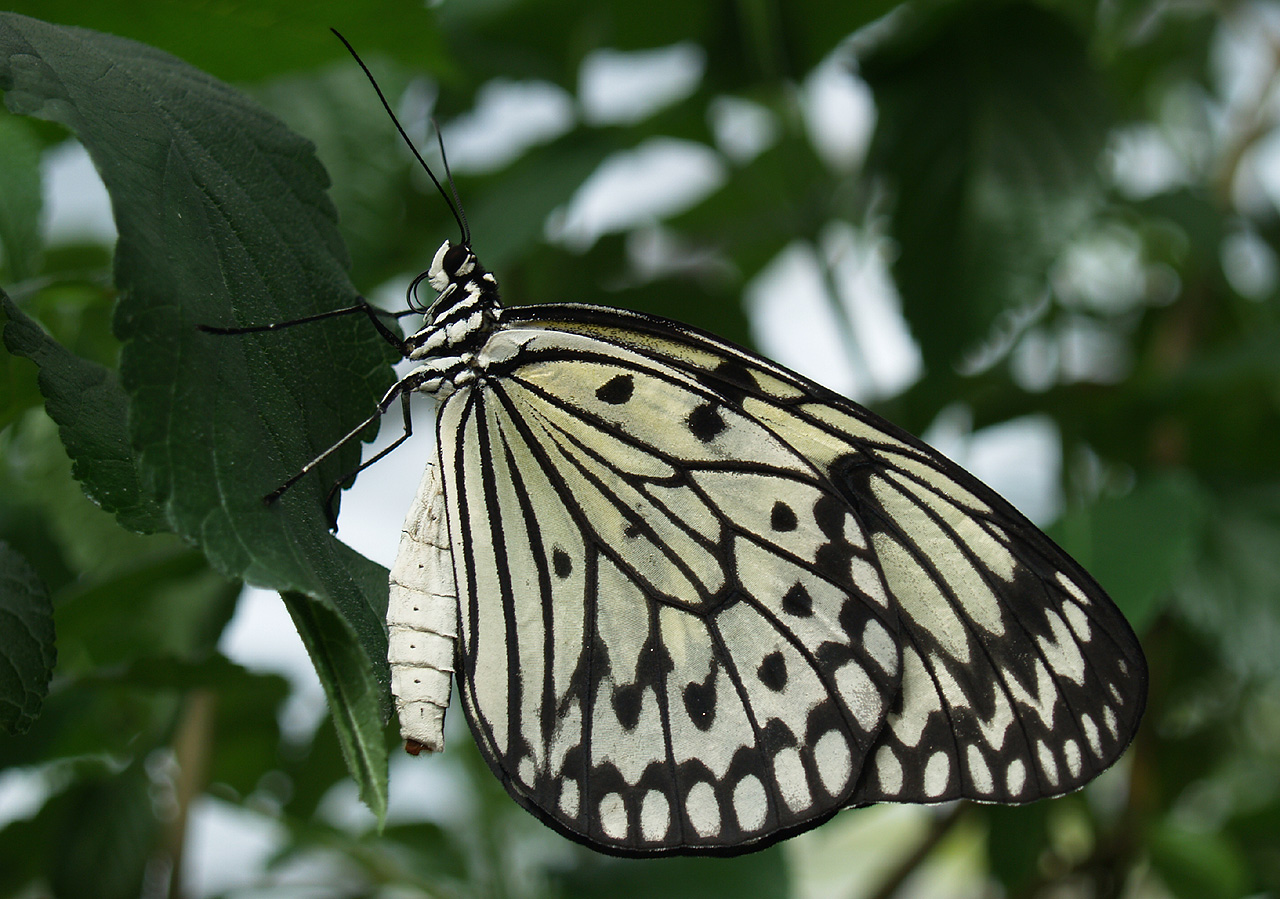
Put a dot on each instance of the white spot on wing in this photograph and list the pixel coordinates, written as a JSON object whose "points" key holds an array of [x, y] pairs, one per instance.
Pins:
{"points": [[1079, 621], [613, 816], [919, 699], [1091, 734], [864, 575], [937, 771], [853, 533], [655, 815], [979, 770], [995, 730], [1048, 764], [1070, 586], [1061, 650], [703, 809], [1044, 701], [861, 695], [750, 803], [880, 646], [1071, 749], [569, 798], [1016, 777], [831, 753], [788, 771], [888, 770]]}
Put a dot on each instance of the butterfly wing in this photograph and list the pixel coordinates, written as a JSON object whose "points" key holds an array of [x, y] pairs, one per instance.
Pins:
{"points": [[705, 602]]}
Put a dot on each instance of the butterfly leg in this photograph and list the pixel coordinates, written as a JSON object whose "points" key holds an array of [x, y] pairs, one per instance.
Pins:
{"points": [[344, 481]]}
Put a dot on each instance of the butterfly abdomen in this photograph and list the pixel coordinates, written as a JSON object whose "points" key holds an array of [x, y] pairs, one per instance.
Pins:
{"points": [[422, 615]]}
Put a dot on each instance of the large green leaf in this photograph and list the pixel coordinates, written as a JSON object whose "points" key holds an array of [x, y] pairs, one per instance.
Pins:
{"points": [[354, 702], [373, 172], [223, 219]]}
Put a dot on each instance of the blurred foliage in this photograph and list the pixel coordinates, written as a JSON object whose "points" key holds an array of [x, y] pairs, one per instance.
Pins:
{"points": [[1074, 199]]}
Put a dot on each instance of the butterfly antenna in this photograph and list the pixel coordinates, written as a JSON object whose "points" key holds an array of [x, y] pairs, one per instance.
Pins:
{"points": [[422, 162], [461, 213]]}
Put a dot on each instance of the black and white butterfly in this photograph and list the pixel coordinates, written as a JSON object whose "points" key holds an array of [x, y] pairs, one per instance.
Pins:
{"points": [[697, 603], [702, 603]]}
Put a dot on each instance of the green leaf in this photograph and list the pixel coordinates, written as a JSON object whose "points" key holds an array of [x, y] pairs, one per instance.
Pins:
{"points": [[353, 691], [20, 199], [231, 714], [373, 172], [27, 652], [91, 410], [745, 42], [989, 127], [223, 219]]}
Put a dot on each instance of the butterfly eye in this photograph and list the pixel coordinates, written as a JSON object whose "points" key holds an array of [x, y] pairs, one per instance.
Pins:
{"points": [[455, 260]]}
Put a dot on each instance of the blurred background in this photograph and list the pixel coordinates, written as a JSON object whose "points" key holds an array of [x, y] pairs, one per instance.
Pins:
{"points": [[1041, 235]]}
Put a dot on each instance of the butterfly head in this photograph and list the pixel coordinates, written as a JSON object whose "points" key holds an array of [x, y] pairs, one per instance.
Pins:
{"points": [[453, 264], [458, 322]]}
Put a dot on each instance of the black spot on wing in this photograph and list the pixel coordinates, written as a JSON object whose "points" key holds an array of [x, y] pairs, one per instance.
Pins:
{"points": [[773, 671], [705, 422], [626, 704], [798, 602], [561, 563], [617, 390], [782, 518], [700, 700]]}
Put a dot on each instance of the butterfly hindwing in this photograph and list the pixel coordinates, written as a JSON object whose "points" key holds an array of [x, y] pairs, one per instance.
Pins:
{"points": [[653, 659]]}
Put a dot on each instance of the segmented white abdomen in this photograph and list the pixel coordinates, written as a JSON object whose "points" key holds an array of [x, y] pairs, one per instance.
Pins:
{"points": [[422, 620]]}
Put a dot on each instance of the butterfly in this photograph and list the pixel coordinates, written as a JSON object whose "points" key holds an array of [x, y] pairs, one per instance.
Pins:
{"points": [[696, 603]]}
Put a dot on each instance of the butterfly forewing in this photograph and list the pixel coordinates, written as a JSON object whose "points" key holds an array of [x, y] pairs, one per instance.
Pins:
{"points": [[673, 633]]}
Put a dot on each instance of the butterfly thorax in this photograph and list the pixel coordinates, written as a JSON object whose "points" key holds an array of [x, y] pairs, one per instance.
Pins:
{"points": [[457, 324]]}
